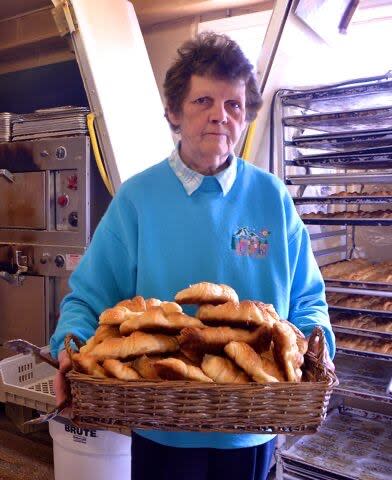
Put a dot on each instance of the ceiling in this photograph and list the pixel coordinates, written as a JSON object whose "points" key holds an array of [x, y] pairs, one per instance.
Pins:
{"points": [[148, 11]]}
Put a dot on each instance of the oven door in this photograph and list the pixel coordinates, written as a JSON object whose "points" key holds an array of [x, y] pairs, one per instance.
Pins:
{"points": [[22, 200], [22, 312]]}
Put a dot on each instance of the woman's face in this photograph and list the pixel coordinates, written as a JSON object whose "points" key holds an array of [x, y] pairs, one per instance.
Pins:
{"points": [[211, 122]]}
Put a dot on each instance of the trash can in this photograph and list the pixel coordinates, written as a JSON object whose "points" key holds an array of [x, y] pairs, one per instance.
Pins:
{"points": [[85, 454]]}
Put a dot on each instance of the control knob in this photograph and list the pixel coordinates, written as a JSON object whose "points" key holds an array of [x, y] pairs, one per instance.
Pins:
{"points": [[59, 261], [73, 219]]}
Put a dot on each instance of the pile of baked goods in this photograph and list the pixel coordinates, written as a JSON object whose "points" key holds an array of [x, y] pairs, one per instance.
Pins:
{"points": [[364, 344], [365, 302], [365, 322], [358, 214], [359, 269], [228, 341], [363, 193]]}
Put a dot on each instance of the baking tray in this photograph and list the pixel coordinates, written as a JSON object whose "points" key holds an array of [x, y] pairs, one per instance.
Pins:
{"points": [[343, 141], [360, 378], [358, 284], [345, 98], [380, 158], [343, 121], [378, 313], [364, 353], [357, 199], [340, 179], [365, 222], [362, 332], [350, 444]]}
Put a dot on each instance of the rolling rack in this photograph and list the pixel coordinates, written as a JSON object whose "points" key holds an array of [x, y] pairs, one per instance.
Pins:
{"points": [[332, 146]]}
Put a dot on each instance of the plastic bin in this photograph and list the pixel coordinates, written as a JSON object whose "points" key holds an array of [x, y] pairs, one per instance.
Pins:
{"points": [[86, 454], [27, 382]]}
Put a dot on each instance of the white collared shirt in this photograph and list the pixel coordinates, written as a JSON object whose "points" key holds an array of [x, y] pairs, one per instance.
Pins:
{"points": [[192, 180]]}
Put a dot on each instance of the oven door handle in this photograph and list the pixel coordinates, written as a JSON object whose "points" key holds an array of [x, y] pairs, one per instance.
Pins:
{"points": [[7, 175]]}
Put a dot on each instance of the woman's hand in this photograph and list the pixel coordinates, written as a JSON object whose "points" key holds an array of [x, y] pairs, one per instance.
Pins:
{"points": [[61, 387]]}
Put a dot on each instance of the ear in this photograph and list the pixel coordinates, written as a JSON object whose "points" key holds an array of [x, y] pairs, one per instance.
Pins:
{"points": [[174, 119]]}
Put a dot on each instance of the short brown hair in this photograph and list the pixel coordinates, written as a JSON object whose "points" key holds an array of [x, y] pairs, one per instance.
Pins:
{"points": [[213, 55]]}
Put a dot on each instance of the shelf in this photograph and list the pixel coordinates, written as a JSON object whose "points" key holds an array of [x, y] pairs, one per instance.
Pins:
{"points": [[378, 313], [349, 445], [362, 332], [354, 96], [339, 179], [358, 284], [343, 141], [359, 291], [364, 354], [341, 121], [357, 200], [364, 222], [356, 160]]}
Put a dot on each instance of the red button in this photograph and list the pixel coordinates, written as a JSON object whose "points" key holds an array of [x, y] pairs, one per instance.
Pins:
{"points": [[63, 200]]}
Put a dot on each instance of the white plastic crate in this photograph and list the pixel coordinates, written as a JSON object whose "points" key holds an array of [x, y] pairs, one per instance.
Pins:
{"points": [[27, 382]]}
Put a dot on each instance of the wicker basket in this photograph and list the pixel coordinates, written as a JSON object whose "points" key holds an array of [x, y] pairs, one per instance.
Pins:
{"points": [[286, 407]]}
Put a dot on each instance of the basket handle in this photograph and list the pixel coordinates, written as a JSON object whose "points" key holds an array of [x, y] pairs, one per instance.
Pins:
{"points": [[319, 351], [68, 347]]}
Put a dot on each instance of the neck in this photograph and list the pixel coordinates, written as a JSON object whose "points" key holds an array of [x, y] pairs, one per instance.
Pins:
{"points": [[205, 165]]}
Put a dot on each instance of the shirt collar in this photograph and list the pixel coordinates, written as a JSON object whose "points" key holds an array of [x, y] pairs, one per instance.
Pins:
{"points": [[192, 180]]}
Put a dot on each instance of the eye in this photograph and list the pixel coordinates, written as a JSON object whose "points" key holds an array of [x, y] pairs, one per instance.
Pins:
{"points": [[201, 101], [234, 105]]}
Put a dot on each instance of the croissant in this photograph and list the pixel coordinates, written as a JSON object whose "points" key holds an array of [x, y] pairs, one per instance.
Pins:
{"points": [[302, 343], [86, 363], [136, 304], [270, 315], [286, 352], [260, 369], [214, 339], [145, 367], [120, 370], [244, 314], [102, 332], [175, 369], [206, 292], [117, 315], [138, 343], [156, 319], [223, 370]]}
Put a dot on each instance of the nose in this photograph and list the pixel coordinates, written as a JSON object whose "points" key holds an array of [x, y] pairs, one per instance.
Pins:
{"points": [[218, 114]]}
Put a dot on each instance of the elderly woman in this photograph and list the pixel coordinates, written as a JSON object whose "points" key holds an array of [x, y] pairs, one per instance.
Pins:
{"points": [[202, 214]]}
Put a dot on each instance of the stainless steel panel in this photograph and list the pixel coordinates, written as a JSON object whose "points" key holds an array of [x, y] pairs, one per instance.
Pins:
{"points": [[22, 201], [22, 313]]}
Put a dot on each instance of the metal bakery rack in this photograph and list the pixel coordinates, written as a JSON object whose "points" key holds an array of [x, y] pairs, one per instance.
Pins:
{"points": [[332, 146]]}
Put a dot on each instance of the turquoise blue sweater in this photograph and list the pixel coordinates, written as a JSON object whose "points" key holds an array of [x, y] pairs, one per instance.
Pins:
{"points": [[155, 240]]}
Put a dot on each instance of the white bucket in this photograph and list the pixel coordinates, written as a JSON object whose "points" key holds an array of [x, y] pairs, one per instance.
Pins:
{"points": [[84, 454]]}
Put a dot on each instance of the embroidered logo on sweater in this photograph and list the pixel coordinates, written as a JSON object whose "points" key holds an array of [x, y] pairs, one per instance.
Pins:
{"points": [[249, 242]]}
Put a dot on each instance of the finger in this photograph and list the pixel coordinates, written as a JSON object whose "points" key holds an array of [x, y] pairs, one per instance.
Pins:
{"points": [[61, 388]]}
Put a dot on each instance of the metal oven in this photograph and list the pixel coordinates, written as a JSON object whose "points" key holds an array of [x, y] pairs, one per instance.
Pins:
{"points": [[51, 199]]}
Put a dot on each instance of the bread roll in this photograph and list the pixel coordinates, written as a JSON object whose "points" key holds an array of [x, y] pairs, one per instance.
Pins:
{"points": [[223, 370], [155, 319], [260, 369], [136, 304], [122, 371], [145, 367], [138, 343], [206, 292], [175, 369], [286, 352], [102, 332], [214, 339], [86, 363], [243, 314]]}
